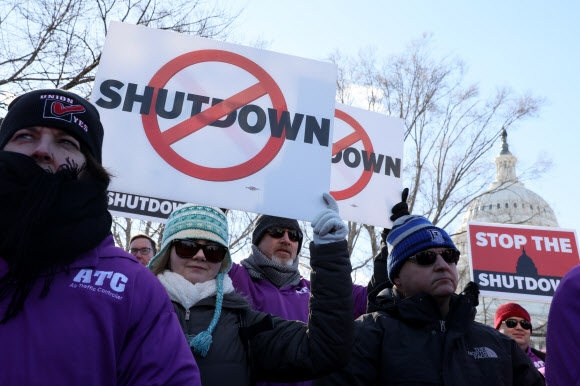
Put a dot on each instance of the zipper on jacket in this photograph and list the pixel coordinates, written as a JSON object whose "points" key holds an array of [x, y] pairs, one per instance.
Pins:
{"points": [[442, 322], [186, 314]]}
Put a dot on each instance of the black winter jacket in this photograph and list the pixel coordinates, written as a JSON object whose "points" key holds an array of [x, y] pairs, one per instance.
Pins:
{"points": [[409, 343], [291, 351]]}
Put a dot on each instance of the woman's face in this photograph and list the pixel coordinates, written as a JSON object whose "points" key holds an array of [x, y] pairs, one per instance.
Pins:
{"points": [[195, 269], [49, 147]]}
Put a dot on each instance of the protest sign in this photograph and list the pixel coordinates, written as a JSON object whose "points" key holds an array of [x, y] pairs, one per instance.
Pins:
{"points": [[189, 119], [367, 164], [520, 262]]}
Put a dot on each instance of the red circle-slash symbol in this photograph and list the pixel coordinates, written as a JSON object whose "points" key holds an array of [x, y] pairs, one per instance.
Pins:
{"points": [[359, 135], [162, 141]]}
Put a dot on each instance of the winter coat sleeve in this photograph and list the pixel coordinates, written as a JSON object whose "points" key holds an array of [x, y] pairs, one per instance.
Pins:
{"points": [[294, 351], [155, 351], [366, 355], [379, 281], [563, 338]]}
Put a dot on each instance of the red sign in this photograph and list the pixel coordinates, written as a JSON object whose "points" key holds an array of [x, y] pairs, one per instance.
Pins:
{"points": [[359, 135], [520, 260], [162, 141]]}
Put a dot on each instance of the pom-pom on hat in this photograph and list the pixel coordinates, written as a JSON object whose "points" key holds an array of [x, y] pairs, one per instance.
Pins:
{"points": [[263, 222], [55, 109], [410, 235], [508, 310], [195, 222]]}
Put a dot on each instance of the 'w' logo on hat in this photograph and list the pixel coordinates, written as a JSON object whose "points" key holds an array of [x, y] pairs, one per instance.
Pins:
{"points": [[59, 110], [436, 236]]}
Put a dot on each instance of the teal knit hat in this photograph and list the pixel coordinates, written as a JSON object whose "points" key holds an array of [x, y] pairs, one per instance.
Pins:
{"points": [[206, 223], [195, 222]]}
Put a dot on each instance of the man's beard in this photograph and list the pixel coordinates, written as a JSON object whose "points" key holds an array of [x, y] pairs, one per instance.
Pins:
{"points": [[284, 262]]}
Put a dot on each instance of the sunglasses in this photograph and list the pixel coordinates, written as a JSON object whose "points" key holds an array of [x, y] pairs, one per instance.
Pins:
{"points": [[512, 323], [277, 233], [427, 258], [186, 249]]}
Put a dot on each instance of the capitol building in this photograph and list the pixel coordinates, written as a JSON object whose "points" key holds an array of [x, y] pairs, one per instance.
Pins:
{"points": [[506, 201]]}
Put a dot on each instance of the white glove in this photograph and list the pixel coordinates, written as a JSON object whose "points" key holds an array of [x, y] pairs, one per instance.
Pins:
{"points": [[327, 226]]}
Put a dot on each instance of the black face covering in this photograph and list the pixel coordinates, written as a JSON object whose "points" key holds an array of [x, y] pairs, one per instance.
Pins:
{"points": [[46, 221]]}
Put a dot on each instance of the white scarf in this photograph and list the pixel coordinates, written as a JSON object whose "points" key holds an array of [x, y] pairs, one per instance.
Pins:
{"points": [[182, 291]]}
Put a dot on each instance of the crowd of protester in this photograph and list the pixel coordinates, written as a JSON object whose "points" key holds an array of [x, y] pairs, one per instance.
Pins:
{"points": [[75, 309]]}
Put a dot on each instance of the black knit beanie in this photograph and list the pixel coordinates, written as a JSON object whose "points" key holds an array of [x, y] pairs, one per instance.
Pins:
{"points": [[55, 109], [263, 222]]}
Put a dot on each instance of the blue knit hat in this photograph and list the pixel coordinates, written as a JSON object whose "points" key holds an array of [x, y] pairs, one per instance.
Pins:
{"points": [[410, 235], [206, 223]]}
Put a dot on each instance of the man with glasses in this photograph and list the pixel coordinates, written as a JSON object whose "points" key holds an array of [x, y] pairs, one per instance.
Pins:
{"points": [[143, 248], [514, 321], [269, 276], [424, 333]]}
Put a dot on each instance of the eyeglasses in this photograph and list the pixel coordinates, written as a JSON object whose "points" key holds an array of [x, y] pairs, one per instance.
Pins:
{"points": [[512, 323], [213, 253], [277, 233], [142, 251], [427, 258]]}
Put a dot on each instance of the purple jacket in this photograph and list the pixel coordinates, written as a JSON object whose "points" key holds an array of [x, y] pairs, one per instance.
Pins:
{"points": [[290, 302], [108, 322], [563, 338]]}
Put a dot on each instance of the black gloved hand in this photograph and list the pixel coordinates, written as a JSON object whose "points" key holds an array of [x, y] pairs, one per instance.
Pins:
{"points": [[399, 210], [380, 280], [472, 289]]}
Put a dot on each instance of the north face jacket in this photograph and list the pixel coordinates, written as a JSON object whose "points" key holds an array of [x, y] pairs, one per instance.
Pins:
{"points": [[407, 342]]}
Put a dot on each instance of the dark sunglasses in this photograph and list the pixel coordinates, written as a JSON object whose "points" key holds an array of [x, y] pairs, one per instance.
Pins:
{"points": [[277, 233], [512, 323], [427, 258], [186, 249]]}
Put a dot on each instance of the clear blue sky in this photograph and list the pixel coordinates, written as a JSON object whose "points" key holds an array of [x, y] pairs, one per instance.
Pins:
{"points": [[526, 45]]}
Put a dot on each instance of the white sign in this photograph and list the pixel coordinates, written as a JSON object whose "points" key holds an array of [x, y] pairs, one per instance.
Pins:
{"points": [[367, 165], [189, 119]]}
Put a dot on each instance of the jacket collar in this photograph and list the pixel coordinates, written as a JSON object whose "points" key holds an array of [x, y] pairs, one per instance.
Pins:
{"points": [[423, 308]]}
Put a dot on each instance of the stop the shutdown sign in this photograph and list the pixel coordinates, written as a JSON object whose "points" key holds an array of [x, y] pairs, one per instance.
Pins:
{"points": [[520, 262], [189, 119]]}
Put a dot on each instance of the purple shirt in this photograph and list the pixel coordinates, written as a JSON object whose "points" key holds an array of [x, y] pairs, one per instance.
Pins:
{"points": [[108, 322], [290, 302], [536, 360]]}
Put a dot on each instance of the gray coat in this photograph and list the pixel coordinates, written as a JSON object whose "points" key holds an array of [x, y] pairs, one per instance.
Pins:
{"points": [[292, 350]]}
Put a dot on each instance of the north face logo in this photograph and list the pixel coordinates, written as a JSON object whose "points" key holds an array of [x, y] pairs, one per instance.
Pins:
{"points": [[482, 352], [436, 236], [64, 109]]}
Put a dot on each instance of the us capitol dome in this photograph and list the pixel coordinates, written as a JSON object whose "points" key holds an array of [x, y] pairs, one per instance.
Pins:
{"points": [[506, 201]]}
